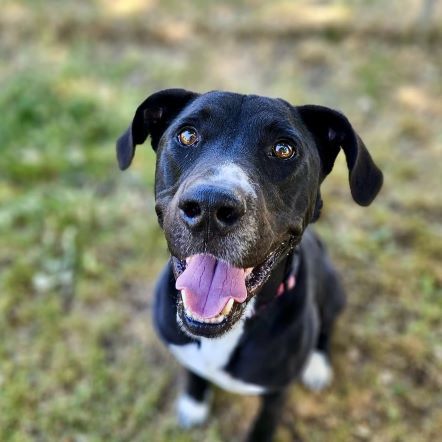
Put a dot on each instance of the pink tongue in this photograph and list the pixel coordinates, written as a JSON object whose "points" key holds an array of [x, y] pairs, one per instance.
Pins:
{"points": [[209, 284]]}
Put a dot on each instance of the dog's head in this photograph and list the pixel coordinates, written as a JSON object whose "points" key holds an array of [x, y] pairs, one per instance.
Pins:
{"points": [[237, 182]]}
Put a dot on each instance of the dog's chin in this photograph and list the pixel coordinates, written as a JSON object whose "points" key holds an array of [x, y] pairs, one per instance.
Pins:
{"points": [[233, 311]]}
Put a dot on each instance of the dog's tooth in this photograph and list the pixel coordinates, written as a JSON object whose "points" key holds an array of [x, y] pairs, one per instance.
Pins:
{"points": [[184, 297], [216, 319], [248, 271], [228, 307]]}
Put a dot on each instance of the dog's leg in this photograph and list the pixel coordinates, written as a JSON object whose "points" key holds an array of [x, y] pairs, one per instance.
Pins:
{"points": [[268, 417], [193, 404], [318, 373]]}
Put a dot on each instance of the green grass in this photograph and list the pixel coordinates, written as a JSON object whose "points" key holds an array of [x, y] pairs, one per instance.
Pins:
{"points": [[80, 248]]}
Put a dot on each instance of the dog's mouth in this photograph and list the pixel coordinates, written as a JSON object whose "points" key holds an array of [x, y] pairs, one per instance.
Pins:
{"points": [[213, 294]]}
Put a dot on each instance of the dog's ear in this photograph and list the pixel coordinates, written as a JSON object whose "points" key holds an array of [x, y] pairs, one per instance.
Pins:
{"points": [[152, 117], [331, 131]]}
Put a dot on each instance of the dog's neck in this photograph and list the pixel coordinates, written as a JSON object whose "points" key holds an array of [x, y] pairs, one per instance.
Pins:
{"points": [[282, 279]]}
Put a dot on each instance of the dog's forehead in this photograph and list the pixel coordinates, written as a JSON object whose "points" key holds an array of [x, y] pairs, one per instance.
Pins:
{"points": [[236, 107]]}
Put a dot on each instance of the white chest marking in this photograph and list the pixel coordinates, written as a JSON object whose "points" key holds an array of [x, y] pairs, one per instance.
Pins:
{"points": [[211, 356]]}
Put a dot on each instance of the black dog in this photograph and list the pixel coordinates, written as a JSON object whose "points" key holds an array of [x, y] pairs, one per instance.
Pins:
{"points": [[246, 303]]}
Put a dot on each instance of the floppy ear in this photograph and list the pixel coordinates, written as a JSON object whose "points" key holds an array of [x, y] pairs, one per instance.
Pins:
{"points": [[331, 131], [152, 117]]}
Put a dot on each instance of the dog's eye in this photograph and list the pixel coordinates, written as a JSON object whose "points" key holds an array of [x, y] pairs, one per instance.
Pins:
{"points": [[283, 150], [188, 136]]}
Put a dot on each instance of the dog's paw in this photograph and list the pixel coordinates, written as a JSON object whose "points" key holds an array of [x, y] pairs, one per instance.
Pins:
{"points": [[317, 373], [191, 413]]}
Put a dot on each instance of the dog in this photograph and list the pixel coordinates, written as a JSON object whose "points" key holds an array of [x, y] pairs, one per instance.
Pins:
{"points": [[249, 298]]}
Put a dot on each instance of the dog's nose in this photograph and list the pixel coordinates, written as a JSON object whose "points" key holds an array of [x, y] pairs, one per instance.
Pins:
{"points": [[211, 206]]}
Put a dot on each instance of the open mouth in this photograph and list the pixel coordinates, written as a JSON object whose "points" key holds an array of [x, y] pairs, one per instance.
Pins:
{"points": [[214, 294]]}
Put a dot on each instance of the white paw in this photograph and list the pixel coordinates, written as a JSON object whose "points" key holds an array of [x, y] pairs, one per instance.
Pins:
{"points": [[190, 412], [317, 373]]}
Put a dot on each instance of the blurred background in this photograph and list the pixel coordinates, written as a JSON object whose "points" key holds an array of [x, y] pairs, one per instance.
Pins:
{"points": [[80, 248]]}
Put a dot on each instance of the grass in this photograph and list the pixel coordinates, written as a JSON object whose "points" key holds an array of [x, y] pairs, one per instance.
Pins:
{"points": [[80, 248]]}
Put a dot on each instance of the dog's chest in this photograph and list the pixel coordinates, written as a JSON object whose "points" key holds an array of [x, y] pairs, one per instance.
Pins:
{"points": [[209, 358]]}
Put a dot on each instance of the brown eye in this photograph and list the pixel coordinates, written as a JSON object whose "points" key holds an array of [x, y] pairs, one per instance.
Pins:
{"points": [[188, 136], [283, 150]]}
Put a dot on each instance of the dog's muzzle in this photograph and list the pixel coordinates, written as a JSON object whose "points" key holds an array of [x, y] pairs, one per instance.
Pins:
{"points": [[213, 294]]}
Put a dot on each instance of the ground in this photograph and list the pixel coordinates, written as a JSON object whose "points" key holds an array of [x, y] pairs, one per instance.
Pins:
{"points": [[80, 247]]}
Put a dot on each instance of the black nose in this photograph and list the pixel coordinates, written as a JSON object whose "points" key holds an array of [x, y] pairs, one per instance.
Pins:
{"points": [[211, 206]]}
